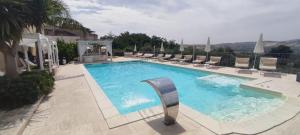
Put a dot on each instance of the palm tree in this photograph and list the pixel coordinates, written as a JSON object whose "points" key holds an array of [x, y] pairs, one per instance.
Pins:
{"points": [[52, 12], [14, 19], [17, 15]]}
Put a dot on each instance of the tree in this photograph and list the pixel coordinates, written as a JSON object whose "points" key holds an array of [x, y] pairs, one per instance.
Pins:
{"points": [[17, 15], [52, 12], [126, 41], [281, 50], [14, 19], [108, 36]]}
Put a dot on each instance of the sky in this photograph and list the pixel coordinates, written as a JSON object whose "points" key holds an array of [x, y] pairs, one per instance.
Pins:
{"points": [[192, 20]]}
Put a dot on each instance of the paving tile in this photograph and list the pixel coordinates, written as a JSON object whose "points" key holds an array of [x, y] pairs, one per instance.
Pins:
{"points": [[116, 121], [134, 116], [73, 110], [109, 112]]}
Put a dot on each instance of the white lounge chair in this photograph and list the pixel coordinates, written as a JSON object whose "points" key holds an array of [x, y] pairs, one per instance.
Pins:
{"points": [[214, 60], [22, 65], [147, 55], [30, 63], [268, 64], [166, 58], [243, 65], [176, 58], [186, 58], [128, 54], [199, 59], [158, 56], [241, 62], [2, 73], [138, 55]]}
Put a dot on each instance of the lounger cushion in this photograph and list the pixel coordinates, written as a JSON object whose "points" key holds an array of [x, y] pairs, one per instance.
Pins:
{"points": [[201, 58], [242, 62], [267, 67], [198, 61], [211, 62], [215, 59]]}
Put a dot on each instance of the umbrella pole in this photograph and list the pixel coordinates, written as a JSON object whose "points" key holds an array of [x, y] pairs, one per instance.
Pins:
{"points": [[253, 68], [207, 56], [193, 53]]}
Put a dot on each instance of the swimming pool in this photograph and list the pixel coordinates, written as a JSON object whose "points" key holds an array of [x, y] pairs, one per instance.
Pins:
{"points": [[217, 96]]}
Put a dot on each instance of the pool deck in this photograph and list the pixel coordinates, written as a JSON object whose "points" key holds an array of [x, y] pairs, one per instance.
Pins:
{"points": [[79, 106]]}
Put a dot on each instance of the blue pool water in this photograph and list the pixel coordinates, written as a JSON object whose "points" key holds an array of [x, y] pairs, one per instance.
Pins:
{"points": [[217, 96]]}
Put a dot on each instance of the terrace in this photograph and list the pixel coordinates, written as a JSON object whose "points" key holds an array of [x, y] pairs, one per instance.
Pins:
{"points": [[69, 81], [79, 106]]}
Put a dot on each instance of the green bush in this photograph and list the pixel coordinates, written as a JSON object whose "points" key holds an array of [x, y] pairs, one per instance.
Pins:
{"points": [[67, 51], [44, 80], [25, 89]]}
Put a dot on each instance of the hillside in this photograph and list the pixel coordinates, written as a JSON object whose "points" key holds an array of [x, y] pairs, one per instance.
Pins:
{"points": [[249, 46]]}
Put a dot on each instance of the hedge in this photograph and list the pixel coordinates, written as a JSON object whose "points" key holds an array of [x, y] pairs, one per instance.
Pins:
{"points": [[25, 89]]}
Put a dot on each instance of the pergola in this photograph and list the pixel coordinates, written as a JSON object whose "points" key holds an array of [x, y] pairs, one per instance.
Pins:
{"points": [[45, 46], [84, 45]]}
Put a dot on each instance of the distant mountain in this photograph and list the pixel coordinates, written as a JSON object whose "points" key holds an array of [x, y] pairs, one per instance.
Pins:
{"points": [[249, 46]]}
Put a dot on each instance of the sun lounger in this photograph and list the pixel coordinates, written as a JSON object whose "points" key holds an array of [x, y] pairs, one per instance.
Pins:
{"points": [[214, 60], [199, 59], [147, 55], [138, 55], [30, 63], [176, 58], [166, 58], [268, 64], [128, 54], [186, 58], [243, 65], [22, 65], [2, 73], [241, 62], [159, 56]]}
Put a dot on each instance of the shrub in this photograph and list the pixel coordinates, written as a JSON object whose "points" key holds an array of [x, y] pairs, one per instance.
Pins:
{"points": [[25, 89], [44, 80], [66, 50]]}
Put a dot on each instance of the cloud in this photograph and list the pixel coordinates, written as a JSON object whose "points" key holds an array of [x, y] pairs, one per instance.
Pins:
{"points": [[192, 20]]}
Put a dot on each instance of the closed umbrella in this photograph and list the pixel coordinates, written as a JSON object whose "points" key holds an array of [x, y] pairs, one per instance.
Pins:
{"points": [[258, 49], [162, 49], [181, 49], [207, 47], [134, 50]]}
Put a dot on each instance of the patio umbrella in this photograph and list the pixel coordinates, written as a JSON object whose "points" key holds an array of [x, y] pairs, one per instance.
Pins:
{"points": [[134, 50], [181, 49], [162, 49], [207, 47], [258, 49]]}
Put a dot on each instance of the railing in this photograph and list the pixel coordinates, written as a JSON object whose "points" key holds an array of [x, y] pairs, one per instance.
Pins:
{"points": [[286, 62]]}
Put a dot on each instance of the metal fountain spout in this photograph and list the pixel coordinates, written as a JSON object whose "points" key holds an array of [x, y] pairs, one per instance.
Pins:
{"points": [[168, 95]]}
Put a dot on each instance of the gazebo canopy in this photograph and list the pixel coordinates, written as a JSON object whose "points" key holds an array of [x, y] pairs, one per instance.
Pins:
{"points": [[44, 46], [84, 44]]}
